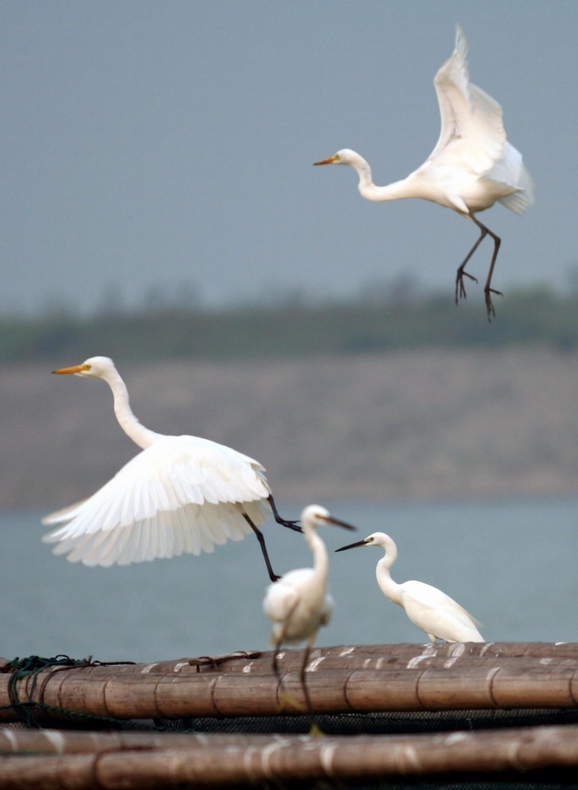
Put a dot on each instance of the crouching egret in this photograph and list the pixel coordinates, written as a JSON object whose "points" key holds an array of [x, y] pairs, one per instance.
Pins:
{"points": [[471, 167], [427, 607], [300, 603], [180, 494]]}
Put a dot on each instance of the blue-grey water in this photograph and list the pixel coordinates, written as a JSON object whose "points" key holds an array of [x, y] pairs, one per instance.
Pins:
{"points": [[511, 564]]}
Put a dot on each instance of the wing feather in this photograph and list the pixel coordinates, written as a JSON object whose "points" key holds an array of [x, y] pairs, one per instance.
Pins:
{"points": [[436, 613], [471, 120], [181, 494]]}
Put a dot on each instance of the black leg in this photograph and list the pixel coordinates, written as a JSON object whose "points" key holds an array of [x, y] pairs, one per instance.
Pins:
{"points": [[284, 522], [487, 287], [261, 539], [315, 729], [283, 697], [461, 273], [304, 663]]}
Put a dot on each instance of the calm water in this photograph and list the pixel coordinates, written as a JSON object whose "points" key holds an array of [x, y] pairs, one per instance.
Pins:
{"points": [[513, 565]]}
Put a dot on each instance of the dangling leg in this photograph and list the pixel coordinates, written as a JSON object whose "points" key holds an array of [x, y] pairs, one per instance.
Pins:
{"points": [[259, 535], [284, 523], [460, 288], [487, 289], [461, 273]]}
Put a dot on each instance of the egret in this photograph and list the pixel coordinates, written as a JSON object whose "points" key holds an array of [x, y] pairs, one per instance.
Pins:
{"points": [[299, 604], [427, 607], [471, 167], [180, 494]]}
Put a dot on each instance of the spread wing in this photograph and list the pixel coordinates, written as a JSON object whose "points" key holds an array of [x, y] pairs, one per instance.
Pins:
{"points": [[181, 494], [472, 130]]}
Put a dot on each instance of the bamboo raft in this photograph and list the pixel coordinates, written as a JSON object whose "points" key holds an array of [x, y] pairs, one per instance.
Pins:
{"points": [[389, 713]]}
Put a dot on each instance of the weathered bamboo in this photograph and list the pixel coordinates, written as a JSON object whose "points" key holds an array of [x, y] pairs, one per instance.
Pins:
{"points": [[219, 761], [340, 680], [373, 656]]}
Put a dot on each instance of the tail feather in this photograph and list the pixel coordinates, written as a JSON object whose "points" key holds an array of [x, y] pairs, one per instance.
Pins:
{"points": [[521, 200]]}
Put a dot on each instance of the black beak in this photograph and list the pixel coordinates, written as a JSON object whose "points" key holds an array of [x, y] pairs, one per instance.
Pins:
{"points": [[353, 545], [338, 523]]}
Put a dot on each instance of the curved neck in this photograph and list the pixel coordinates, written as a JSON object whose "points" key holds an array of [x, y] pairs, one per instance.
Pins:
{"points": [[317, 546], [387, 585], [398, 190], [140, 435]]}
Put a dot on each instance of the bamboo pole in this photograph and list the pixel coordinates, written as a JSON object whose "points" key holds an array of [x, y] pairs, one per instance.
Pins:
{"points": [[220, 761], [399, 678], [372, 656]]}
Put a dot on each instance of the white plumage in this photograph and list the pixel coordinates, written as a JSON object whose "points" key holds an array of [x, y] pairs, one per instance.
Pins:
{"points": [[299, 604], [427, 607], [471, 167], [180, 494]]}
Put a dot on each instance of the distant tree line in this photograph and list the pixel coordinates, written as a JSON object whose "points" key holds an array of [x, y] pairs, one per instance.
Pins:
{"points": [[293, 328]]}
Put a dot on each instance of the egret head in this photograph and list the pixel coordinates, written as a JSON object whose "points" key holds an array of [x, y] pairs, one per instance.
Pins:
{"points": [[316, 515], [375, 539], [95, 367], [343, 157]]}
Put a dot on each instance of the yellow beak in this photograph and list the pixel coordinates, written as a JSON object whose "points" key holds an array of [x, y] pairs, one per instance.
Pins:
{"points": [[74, 369], [330, 161]]}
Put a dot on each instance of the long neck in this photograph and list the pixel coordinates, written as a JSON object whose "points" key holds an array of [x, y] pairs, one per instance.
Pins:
{"points": [[317, 546], [398, 190], [387, 585], [126, 419]]}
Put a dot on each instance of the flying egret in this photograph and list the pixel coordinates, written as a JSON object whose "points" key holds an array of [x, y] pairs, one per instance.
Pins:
{"points": [[180, 494], [300, 603], [471, 167], [427, 607]]}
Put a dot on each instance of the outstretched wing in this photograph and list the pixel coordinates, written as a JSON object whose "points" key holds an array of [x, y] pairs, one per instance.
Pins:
{"points": [[181, 494], [472, 130]]}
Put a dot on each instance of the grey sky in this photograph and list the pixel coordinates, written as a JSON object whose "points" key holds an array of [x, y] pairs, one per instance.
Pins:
{"points": [[159, 143]]}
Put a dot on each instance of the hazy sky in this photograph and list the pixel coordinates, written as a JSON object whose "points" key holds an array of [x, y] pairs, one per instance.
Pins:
{"points": [[156, 144]]}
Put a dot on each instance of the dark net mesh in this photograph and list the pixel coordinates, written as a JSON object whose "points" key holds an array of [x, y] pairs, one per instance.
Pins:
{"points": [[375, 723]]}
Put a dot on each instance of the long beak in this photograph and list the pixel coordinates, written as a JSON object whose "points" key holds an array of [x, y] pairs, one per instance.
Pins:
{"points": [[353, 545], [74, 369], [343, 524], [330, 161]]}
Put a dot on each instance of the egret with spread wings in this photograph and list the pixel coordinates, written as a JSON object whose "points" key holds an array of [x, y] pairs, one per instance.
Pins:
{"points": [[471, 167], [179, 494]]}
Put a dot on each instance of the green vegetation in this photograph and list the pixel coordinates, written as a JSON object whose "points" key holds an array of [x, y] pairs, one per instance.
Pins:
{"points": [[293, 330]]}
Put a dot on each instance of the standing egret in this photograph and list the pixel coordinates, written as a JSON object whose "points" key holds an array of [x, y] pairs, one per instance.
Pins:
{"points": [[299, 603], [180, 494], [471, 167], [427, 607]]}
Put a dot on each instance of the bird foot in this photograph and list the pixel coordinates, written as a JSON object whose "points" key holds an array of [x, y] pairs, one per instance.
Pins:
{"points": [[460, 287], [490, 309], [315, 730]]}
